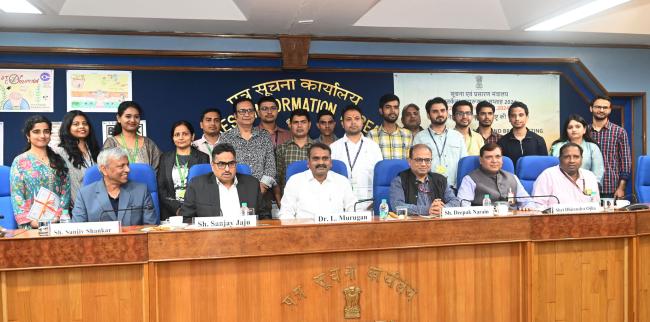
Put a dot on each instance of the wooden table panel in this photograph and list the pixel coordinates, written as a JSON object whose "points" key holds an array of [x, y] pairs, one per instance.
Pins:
{"points": [[576, 281], [114, 293], [461, 283], [598, 225], [644, 279]]}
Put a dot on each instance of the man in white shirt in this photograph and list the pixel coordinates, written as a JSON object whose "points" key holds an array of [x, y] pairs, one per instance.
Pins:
{"points": [[359, 153], [567, 181], [222, 192], [317, 190], [211, 126]]}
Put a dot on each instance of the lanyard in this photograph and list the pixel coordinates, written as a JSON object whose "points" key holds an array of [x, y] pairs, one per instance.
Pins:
{"points": [[182, 171], [352, 164], [207, 145], [575, 182], [438, 151], [133, 156]]}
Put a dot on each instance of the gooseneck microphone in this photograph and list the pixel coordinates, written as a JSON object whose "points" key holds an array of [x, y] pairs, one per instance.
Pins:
{"points": [[106, 212], [361, 201]]}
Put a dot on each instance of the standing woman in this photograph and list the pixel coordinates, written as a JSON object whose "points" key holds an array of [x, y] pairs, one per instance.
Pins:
{"points": [[39, 166], [139, 149], [575, 130], [174, 168], [78, 148]]}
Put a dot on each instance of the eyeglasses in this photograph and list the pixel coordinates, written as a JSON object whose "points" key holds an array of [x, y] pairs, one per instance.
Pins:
{"points": [[599, 107], [223, 165], [461, 114], [422, 160], [246, 111], [268, 108]]}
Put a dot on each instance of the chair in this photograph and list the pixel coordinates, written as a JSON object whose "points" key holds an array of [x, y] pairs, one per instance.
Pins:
{"points": [[385, 172], [471, 163], [7, 221], [140, 172], [205, 168], [530, 167], [338, 166], [642, 179]]}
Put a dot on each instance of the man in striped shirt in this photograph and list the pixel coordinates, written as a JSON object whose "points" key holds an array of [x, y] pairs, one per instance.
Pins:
{"points": [[615, 146], [393, 140]]}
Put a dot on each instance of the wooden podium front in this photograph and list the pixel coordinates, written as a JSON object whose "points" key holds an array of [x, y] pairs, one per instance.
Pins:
{"points": [[588, 267]]}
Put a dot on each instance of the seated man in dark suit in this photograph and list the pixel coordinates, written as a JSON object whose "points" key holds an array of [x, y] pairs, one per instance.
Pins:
{"points": [[418, 189], [114, 197], [222, 192]]}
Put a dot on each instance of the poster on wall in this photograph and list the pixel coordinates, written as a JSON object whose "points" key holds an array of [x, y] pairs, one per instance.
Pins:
{"points": [[107, 129], [98, 90], [2, 146], [541, 93], [27, 90]]}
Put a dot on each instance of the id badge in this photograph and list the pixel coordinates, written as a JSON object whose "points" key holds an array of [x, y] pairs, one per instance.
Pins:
{"points": [[441, 169], [180, 194]]}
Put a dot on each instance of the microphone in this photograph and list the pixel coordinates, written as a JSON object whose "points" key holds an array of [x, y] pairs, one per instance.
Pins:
{"points": [[535, 196], [106, 212], [632, 197], [361, 201]]}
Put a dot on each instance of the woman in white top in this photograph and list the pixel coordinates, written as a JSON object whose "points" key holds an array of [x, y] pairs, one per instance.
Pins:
{"points": [[575, 130]]}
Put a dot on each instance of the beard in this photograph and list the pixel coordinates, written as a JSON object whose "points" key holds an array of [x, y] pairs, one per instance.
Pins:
{"points": [[390, 118], [439, 121]]}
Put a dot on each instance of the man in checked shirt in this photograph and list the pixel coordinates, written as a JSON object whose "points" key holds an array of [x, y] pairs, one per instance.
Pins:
{"points": [[615, 145]]}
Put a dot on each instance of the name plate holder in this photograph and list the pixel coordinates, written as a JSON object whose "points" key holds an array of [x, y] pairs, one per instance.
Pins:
{"points": [[348, 216], [85, 228], [574, 208], [220, 222], [467, 212]]}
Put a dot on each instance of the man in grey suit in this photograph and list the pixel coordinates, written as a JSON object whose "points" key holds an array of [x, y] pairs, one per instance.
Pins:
{"points": [[114, 197], [222, 192]]}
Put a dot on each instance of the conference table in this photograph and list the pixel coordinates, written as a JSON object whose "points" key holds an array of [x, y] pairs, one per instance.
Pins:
{"points": [[578, 267]]}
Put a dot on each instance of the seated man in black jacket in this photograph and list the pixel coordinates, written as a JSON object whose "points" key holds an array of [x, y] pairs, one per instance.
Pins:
{"points": [[222, 192], [418, 189]]}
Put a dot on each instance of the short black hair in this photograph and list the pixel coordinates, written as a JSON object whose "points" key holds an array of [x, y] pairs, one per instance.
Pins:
{"points": [[223, 147], [489, 147], [387, 98], [351, 107], [568, 145], [299, 112], [267, 98], [239, 100], [483, 104], [454, 108], [179, 123], [322, 113], [600, 97], [209, 110], [418, 146], [435, 100], [319, 145], [519, 104]]}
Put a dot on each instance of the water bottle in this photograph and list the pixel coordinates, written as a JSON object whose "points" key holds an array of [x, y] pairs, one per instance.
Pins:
{"points": [[487, 202], [383, 210], [244, 209], [65, 217], [511, 197]]}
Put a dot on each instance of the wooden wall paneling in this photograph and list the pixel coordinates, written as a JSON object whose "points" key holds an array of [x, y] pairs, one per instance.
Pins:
{"points": [[459, 283], [3, 297], [106, 293], [577, 281], [644, 279]]}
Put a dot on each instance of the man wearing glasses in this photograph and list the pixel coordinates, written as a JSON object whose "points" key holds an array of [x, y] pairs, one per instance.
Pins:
{"points": [[418, 189], [490, 179], [221, 192], [253, 147], [268, 108], [463, 114], [615, 145]]}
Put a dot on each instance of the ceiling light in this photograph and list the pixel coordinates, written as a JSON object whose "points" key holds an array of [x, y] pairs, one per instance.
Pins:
{"points": [[306, 21], [18, 6], [576, 14]]}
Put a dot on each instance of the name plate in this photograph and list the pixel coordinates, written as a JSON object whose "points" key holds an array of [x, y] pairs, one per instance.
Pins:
{"points": [[573, 208], [350, 216], [464, 212], [85, 228], [225, 222]]}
